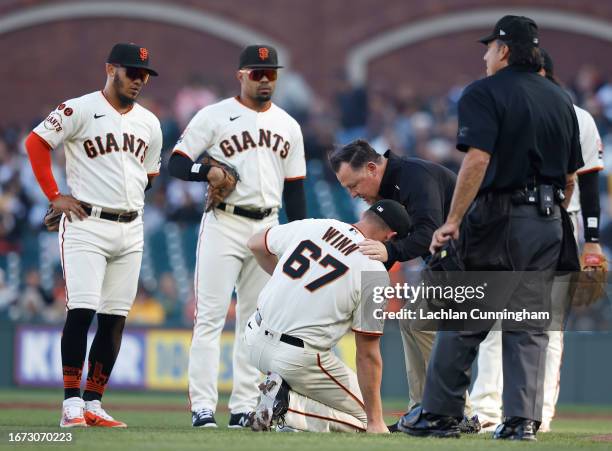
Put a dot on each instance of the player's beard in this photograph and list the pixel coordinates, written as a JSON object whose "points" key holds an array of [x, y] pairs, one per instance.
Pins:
{"points": [[263, 98], [119, 86]]}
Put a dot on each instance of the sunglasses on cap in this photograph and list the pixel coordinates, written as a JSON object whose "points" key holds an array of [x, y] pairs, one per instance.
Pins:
{"points": [[258, 74], [134, 73]]}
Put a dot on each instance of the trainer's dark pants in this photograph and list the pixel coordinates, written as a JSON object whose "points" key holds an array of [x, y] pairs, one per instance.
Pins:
{"points": [[499, 236]]}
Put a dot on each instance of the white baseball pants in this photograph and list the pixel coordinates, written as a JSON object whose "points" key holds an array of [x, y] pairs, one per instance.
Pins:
{"points": [[101, 263], [223, 262], [325, 394]]}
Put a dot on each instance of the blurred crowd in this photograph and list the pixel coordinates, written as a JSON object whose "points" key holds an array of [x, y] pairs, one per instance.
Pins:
{"points": [[390, 117]]}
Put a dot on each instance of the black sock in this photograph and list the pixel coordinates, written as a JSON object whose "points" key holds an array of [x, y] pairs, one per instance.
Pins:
{"points": [[103, 354], [74, 348]]}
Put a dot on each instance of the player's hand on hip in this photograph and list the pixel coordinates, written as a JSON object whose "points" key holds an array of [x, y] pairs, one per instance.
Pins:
{"points": [[69, 206], [377, 427], [373, 249], [215, 176], [441, 236]]}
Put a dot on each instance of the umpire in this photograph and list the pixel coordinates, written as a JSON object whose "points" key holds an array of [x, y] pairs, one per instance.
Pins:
{"points": [[521, 139], [425, 189]]}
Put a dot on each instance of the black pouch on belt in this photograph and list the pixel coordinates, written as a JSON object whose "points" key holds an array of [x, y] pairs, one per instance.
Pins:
{"points": [[568, 256], [546, 199]]}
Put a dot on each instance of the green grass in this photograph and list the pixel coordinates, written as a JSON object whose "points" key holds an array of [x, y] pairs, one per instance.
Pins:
{"points": [[170, 429]]}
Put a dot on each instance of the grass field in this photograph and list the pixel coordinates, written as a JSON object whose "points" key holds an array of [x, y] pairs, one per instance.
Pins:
{"points": [[161, 422]]}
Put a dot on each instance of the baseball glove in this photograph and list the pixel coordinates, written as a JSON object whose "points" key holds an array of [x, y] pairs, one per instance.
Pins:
{"points": [[52, 219], [589, 285], [218, 191]]}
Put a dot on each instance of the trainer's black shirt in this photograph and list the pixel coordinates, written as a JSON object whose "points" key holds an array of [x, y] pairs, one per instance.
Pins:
{"points": [[426, 190], [527, 124]]}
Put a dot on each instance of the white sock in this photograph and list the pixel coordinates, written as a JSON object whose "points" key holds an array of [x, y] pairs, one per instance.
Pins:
{"points": [[74, 401], [93, 405]]}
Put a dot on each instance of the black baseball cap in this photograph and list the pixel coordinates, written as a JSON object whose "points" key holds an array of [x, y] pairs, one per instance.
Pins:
{"points": [[130, 55], [517, 29], [259, 56], [394, 214]]}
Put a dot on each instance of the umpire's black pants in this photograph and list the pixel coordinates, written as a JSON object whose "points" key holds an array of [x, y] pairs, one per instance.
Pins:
{"points": [[499, 236]]}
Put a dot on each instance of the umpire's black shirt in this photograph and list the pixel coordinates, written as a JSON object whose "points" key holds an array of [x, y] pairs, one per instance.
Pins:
{"points": [[426, 190], [524, 121]]}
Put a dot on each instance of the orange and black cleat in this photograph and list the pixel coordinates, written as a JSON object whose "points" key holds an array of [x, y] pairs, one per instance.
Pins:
{"points": [[96, 416]]}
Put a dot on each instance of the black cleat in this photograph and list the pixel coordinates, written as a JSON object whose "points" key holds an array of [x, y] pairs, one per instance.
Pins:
{"points": [[203, 418], [393, 428], [420, 423], [469, 425], [517, 428], [239, 420]]}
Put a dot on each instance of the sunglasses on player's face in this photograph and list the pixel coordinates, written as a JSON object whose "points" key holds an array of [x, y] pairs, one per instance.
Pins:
{"points": [[134, 73], [258, 74]]}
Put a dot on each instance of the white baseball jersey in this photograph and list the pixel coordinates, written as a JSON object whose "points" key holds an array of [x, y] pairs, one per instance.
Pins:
{"points": [[108, 154], [316, 292], [266, 148], [592, 151]]}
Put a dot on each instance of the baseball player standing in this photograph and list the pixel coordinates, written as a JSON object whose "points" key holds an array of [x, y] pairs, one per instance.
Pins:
{"points": [[112, 147], [321, 287], [265, 146], [486, 392]]}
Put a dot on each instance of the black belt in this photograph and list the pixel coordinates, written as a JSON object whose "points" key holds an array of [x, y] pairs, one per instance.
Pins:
{"points": [[520, 196], [284, 337], [246, 212], [127, 216]]}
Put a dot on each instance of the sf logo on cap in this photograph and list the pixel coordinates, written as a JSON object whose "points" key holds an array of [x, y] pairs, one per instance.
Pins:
{"points": [[144, 54], [263, 53]]}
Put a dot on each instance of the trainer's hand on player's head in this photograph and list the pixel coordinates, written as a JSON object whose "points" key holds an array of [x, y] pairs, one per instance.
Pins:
{"points": [[69, 206], [375, 250], [443, 235]]}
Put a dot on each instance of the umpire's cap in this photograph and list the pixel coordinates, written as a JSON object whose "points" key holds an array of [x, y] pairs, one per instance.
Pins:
{"points": [[516, 29], [130, 55], [394, 215], [259, 56]]}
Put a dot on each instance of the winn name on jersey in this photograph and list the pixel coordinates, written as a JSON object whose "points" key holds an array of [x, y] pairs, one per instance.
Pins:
{"points": [[320, 269]]}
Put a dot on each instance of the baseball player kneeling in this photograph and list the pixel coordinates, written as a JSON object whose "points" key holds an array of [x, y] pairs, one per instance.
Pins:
{"points": [[321, 286]]}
